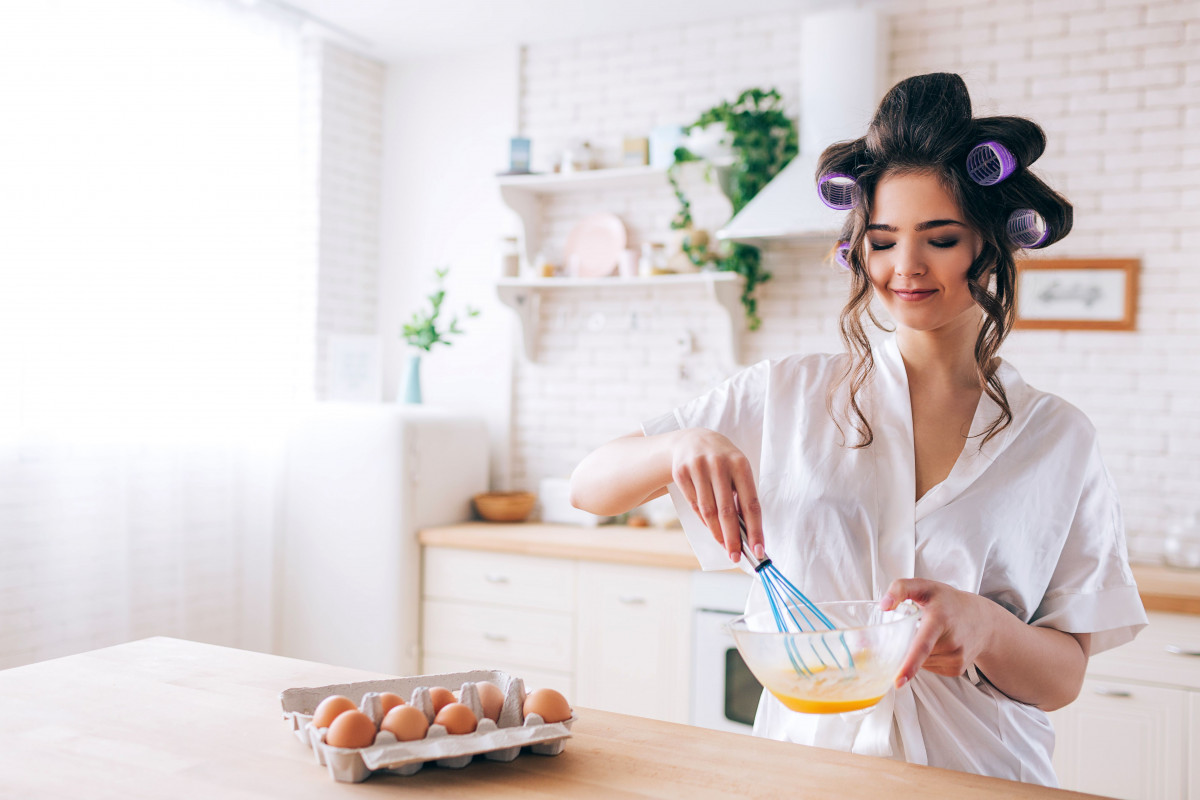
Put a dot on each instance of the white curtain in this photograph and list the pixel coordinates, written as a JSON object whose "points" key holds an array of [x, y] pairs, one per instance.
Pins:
{"points": [[157, 275]]}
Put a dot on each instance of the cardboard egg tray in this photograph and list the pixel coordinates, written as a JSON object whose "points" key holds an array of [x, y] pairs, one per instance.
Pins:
{"points": [[495, 741]]}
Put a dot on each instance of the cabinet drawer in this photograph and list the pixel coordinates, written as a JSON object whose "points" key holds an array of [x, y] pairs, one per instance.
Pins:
{"points": [[501, 578], [1123, 740], [1166, 652], [491, 634], [533, 678]]}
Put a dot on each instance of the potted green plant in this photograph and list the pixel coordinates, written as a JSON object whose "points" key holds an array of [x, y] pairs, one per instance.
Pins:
{"points": [[423, 332], [761, 140]]}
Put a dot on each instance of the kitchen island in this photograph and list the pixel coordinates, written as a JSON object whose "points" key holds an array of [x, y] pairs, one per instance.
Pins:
{"points": [[170, 718]]}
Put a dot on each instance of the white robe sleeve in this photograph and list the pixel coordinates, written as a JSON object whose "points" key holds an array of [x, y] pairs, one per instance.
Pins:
{"points": [[1092, 589], [735, 408]]}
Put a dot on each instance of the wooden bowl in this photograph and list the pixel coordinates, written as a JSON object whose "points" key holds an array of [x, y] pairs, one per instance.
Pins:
{"points": [[504, 506]]}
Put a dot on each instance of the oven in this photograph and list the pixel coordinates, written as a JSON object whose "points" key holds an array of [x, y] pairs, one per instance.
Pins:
{"points": [[724, 692]]}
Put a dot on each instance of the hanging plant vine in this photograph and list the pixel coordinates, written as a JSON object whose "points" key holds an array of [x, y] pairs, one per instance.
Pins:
{"points": [[763, 140]]}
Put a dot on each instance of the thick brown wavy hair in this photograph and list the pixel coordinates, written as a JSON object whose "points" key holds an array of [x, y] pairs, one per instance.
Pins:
{"points": [[924, 125]]}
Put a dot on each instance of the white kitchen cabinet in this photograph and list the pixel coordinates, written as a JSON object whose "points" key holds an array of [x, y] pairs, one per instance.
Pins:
{"points": [[634, 640], [1134, 732], [609, 636], [1124, 740], [1193, 756]]}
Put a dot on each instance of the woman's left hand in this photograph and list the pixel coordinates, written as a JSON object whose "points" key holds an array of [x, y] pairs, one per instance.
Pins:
{"points": [[953, 631]]}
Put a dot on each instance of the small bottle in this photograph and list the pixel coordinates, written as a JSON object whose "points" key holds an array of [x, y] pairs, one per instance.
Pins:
{"points": [[646, 261], [510, 257]]}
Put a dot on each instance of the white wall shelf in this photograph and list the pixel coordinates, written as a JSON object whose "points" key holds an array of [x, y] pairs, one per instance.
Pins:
{"points": [[524, 296], [524, 193]]}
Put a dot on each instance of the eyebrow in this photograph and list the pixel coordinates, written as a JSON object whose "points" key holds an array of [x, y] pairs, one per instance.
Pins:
{"points": [[924, 226]]}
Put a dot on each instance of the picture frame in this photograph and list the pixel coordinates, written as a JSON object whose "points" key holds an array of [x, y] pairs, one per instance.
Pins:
{"points": [[1098, 294]]}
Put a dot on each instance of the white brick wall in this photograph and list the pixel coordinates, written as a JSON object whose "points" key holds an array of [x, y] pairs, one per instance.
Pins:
{"points": [[348, 119], [1115, 84]]}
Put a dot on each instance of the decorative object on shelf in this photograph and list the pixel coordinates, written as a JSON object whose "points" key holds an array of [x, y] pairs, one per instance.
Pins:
{"points": [[627, 266], [510, 257], [635, 152], [518, 155], [422, 333], [1077, 294], [504, 506], [663, 142], [578, 157], [762, 140], [594, 246]]}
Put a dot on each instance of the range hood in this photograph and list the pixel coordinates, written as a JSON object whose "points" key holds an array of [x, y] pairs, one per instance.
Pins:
{"points": [[842, 60]]}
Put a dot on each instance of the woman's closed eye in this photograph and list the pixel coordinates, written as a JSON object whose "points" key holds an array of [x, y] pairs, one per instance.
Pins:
{"points": [[881, 245], [945, 244]]}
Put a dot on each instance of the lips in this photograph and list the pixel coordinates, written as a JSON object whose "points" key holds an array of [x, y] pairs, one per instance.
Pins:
{"points": [[914, 294]]}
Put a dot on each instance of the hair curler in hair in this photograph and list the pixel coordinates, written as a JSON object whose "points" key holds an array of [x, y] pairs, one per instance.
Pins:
{"points": [[838, 190], [988, 163], [842, 254], [1027, 229]]}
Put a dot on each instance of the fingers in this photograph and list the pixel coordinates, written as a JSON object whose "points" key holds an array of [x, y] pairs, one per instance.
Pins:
{"points": [[751, 510], [927, 636], [915, 589]]}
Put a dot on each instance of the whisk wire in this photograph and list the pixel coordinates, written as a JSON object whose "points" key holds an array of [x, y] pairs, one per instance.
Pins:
{"points": [[786, 603]]}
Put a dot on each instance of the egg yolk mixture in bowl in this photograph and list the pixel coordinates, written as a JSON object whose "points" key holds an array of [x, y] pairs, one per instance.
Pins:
{"points": [[829, 671]]}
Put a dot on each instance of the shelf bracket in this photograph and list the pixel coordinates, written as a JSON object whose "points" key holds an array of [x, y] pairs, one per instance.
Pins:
{"points": [[728, 296], [526, 302]]}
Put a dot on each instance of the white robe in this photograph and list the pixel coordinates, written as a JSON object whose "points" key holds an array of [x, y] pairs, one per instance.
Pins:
{"points": [[1030, 520]]}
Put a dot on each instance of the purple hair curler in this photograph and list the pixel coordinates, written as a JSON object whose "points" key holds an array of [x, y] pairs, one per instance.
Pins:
{"points": [[1027, 229], [838, 191], [842, 254], [989, 163]]}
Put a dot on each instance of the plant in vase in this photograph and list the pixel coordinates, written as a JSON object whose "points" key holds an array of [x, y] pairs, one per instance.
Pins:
{"points": [[747, 143], [423, 332]]}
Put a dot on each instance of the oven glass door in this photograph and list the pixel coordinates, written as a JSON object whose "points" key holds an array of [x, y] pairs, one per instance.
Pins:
{"points": [[725, 693]]}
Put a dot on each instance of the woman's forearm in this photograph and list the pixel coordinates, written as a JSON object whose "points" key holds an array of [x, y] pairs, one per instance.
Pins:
{"points": [[1043, 667], [623, 473]]}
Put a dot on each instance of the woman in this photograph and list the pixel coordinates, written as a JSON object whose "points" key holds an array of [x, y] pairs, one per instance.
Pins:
{"points": [[920, 467]]}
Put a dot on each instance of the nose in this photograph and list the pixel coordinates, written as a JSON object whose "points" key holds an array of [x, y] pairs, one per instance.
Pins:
{"points": [[909, 263]]}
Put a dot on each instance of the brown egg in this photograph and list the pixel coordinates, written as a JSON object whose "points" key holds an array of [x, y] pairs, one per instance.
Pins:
{"points": [[351, 729], [388, 701], [456, 719], [491, 698], [440, 698], [548, 704], [406, 723], [330, 708]]}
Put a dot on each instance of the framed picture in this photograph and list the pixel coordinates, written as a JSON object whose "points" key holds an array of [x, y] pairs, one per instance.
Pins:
{"points": [[1077, 294]]}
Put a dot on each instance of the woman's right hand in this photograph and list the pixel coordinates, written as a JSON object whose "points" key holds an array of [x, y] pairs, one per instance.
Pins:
{"points": [[715, 477]]}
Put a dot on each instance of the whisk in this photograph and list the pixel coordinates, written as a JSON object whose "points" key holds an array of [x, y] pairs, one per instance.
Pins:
{"points": [[795, 613]]}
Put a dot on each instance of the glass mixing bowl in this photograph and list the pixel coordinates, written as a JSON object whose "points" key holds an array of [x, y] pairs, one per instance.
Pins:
{"points": [[830, 671]]}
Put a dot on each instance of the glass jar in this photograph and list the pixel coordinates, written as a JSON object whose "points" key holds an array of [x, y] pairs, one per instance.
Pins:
{"points": [[510, 257]]}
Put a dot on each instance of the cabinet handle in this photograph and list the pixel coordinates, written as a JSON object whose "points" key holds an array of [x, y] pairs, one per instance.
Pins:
{"points": [[1104, 691], [1183, 649], [495, 637], [632, 600], [495, 577]]}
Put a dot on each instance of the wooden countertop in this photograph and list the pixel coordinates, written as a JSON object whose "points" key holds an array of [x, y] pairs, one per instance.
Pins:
{"points": [[1162, 588], [621, 544], [1168, 588], [170, 718]]}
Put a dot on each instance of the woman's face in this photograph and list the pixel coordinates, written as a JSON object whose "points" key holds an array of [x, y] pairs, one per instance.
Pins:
{"points": [[919, 249]]}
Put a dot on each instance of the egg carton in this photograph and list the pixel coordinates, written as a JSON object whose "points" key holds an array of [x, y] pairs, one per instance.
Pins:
{"points": [[495, 741]]}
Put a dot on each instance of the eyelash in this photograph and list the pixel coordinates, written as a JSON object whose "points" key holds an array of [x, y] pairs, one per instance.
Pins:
{"points": [[941, 244]]}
